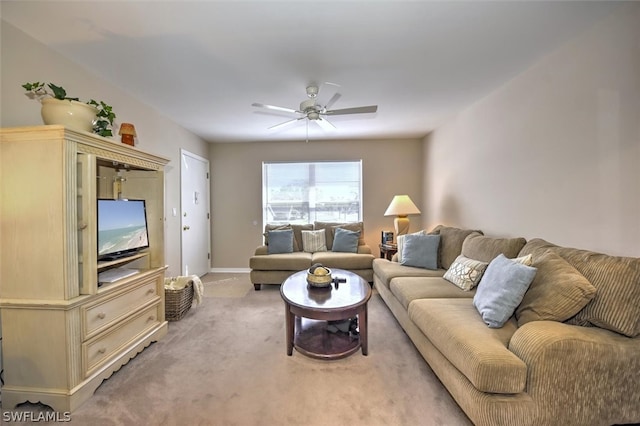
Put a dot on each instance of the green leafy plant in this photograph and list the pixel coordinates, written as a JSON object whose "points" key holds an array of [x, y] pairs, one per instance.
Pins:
{"points": [[104, 117]]}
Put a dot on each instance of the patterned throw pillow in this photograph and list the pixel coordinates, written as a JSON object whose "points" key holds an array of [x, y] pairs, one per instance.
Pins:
{"points": [[313, 241], [465, 272]]}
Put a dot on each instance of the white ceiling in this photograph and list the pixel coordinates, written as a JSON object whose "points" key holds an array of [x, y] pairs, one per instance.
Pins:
{"points": [[204, 63]]}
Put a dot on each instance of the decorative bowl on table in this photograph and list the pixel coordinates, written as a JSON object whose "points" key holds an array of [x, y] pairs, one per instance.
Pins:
{"points": [[319, 276]]}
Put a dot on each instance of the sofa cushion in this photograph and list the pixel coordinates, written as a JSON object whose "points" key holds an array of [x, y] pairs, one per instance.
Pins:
{"points": [[455, 328], [421, 251], [465, 273], [451, 240], [557, 292], [406, 289], [349, 261], [537, 247], [385, 270], [345, 240], [501, 290], [313, 241], [296, 261], [616, 304], [280, 241], [330, 230], [485, 249]]}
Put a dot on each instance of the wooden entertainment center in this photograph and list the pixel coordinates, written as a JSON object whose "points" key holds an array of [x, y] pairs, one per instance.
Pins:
{"points": [[63, 334]]}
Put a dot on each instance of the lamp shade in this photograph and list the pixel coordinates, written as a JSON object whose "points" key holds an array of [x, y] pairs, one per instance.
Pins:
{"points": [[401, 205], [127, 129]]}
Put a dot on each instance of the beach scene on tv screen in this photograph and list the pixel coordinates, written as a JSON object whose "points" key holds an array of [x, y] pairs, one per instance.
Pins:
{"points": [[121, 226]]}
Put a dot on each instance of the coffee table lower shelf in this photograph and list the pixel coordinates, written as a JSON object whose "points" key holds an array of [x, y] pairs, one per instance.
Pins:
{"points": [[314, 340]]}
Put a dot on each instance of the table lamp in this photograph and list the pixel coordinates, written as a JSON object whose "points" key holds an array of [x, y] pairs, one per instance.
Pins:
{"points": [[128, 132], [401, 206]]}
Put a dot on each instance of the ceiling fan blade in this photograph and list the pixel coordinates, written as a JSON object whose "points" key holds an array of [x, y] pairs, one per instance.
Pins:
{"points": [[272, 107], [277, 126], [333, 100], [356, 110], [325, 124]]}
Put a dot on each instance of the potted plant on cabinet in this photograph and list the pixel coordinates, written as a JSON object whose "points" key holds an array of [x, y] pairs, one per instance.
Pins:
{"points": [[58, 108]]}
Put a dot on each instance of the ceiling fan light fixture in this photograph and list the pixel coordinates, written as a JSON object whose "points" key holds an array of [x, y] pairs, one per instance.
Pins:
{"points": [[312, 91], [313, 115]]}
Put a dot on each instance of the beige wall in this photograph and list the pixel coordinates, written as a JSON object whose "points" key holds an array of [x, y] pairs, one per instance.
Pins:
{"points": [[389, 167], [26, 60], [555, 153]]}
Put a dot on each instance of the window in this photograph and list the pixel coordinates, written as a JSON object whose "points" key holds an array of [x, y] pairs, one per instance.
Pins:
{"points": [[328, 191]]}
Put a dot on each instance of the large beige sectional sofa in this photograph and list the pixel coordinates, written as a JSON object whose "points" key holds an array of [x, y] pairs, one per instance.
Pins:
{"points": [[275, 268], [570, 353]]}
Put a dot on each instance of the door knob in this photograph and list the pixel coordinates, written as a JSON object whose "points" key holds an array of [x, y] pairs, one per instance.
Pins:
{"points": [[185, 228]]}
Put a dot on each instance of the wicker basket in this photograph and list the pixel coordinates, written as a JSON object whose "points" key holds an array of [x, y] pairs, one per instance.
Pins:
{"points": [[177, 302]]}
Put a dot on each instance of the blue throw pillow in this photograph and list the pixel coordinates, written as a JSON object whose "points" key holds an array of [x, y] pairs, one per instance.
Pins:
{"points": [[280, 241], [501, 290], [421, 251], [345, 240]]}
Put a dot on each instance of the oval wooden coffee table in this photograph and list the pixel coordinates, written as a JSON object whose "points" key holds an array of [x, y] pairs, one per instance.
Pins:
{"points": [[308, 310]]}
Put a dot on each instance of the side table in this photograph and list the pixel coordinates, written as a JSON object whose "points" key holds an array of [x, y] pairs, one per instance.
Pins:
{"points": [[388, 250]]}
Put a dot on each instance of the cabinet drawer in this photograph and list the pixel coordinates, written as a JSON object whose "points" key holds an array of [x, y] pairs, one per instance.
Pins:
{"points": [[99, 350], [109, 310]]}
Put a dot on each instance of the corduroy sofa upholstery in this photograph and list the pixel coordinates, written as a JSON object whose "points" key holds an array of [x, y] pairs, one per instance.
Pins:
{"points": [[584, 370], [275, 268]]}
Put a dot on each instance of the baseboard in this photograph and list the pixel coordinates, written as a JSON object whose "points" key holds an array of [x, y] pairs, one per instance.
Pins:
{"points": [[230, 270]]}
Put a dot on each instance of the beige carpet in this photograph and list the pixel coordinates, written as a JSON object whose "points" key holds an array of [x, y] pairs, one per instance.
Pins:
{"points": [[225, 363], [226, 285]]}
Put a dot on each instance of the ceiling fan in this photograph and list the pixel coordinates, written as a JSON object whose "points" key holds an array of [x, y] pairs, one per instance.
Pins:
{"points": [[316, 112]]}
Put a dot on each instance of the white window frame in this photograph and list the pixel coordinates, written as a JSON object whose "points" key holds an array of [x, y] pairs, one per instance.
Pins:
{"points": [[307, 208]]}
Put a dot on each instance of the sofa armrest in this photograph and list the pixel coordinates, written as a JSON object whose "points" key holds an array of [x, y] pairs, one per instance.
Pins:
{"points": [[261, 250], [364, 249], [580, 375]]}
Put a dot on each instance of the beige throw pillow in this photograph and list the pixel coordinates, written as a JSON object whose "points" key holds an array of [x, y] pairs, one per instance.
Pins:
{"points": [[557, 293], [314, 241]]}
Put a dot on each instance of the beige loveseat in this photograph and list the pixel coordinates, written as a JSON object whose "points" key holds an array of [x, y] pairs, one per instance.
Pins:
{"points": [[275, 268], [553, 362]]}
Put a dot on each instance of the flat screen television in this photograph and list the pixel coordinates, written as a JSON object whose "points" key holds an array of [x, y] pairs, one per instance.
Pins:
{"points": [[122, 228]]}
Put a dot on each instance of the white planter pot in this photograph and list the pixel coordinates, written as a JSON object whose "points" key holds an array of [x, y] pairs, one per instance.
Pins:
{"points": [[73, 114]]}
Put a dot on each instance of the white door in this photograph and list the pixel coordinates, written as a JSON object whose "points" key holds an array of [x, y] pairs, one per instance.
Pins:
{"points": [[194, 188]]}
